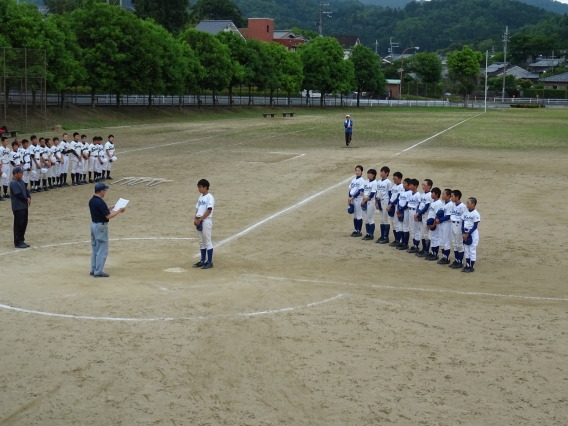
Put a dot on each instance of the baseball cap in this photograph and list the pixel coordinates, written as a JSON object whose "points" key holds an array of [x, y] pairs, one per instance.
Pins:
{"points": [[17, 169], [100, 187], [347, 115]]}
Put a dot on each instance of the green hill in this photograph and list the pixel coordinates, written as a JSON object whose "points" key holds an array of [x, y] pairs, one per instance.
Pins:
{"points": [[433, 25]]}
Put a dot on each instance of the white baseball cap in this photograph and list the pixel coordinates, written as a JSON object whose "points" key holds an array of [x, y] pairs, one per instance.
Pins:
{"points": [[347, 115], [114, 159]]}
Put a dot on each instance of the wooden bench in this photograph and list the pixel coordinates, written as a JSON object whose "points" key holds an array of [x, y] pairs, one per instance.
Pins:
{"points": [[291, 114], [269, 114], [12, 134]]}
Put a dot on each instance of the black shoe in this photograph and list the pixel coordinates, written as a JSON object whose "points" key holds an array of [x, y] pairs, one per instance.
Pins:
{"points": [[73, 184], [65, 184], [6, 195], [468, 269], [385, 241], [380, 240], [402, 247], [367, 237], [431, 257], [45, 188], [103, 275], [109, 178], [91, 181], [2, 198], [413, 250], [91, 273], [456, 265], [443, 261], [207, 265], [422, 253], [356, 234], [198, 264], [39, 189], [21, 246], [32, 191], [394, 244]]}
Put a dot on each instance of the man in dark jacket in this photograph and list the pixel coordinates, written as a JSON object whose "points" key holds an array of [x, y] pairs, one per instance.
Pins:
{"points": [[21, 200]]}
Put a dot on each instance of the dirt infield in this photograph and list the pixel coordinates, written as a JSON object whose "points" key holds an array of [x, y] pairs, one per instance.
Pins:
{"points": [[297, 323]]}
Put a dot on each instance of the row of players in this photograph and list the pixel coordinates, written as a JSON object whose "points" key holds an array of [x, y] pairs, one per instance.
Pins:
{"points": [[435, 217], [46, 161]]}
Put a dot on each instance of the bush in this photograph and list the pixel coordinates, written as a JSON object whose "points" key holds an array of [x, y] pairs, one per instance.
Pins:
{"points": [[545, 93], [526, 106]]}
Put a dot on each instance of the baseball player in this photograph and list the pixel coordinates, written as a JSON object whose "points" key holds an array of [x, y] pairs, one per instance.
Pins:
{"points": [[99, 159], [65, 151], [109, 153], [84, 166], [368, 204], [76, 157], [396, 190], [348, 124], [402, 214], [456, 217], [422, 215], [5, 171], [470, 223], [433, 212], [445, 226], [45, 162], [91, 162], [382, 198], [26, 162], [356, 188], [203, 223], [34, 151], [52, 164], [59, 159], [413, 203]]}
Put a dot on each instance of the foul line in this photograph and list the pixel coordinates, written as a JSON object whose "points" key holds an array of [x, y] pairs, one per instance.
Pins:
{"points": [[427, 290], [247, 314], [343, 182]]}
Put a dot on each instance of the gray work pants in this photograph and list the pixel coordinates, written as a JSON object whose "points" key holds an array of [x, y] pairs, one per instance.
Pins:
{"points": [[99, 245]]}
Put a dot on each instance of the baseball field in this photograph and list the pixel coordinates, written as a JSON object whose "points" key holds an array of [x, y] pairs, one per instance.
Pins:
{"points": [[297, 323]]}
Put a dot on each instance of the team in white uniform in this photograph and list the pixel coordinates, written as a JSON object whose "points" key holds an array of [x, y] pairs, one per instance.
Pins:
{"points": [[109, 153], [204, 224], [434, 218]]}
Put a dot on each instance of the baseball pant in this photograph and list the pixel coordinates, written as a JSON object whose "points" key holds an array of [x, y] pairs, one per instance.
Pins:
{"points": [[99, 247], [383, 214], [445, 235], [26, 177], [91, 163], [471, 250], [75, 164], [348, 136], [98, 166], [369, 214], [415, 227], [435, 236], [408, 213], [108, 166], [424, 231], [358, 210], [396, 224], [84, 166], [205, 235], [457, 240], [5, 169]]}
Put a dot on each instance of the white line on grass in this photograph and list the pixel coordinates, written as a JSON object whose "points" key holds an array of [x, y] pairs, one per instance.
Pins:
{"points": [[428, 290], [244, 314], [343, 182]]}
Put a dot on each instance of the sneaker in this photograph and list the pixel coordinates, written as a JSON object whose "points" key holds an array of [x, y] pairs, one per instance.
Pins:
{"points": [[91, 181], [422, 253], [73, 184], [198, 264], [39, 190], [394, 244], [45, 188], [413, 250], [91, 273], [367, 238], [456, 265], [109, 178], [431, 256], [385, 241], [443, 261], [207, 265], [65, 184], [6, 195], [468, 269], [402, 247], [103, 275], [356, 234]]}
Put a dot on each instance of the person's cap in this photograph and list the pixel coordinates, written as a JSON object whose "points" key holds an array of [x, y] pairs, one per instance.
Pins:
{"points": [[347, 115], [100, 187], [17, 169]]}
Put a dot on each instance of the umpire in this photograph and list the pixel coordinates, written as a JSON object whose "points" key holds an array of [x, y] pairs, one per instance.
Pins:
{"points": [[21, 200], [100, 215]]}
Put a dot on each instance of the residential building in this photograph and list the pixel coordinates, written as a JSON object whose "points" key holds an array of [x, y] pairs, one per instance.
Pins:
{"points": [[347, 43], [215, 27], [559, 81]]}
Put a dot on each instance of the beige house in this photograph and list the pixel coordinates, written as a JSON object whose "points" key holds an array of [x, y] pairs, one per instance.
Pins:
{"points": [[559, 81]]}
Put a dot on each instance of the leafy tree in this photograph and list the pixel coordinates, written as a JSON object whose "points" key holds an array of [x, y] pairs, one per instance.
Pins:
{"points": [[495, 84], [217, 10], [238, 52], [214, 58], [325, 70], [292, 73], [523, 46], [64, 6], [367, 67], [463, 70], [308, 34], [173, 15], [428, 67]]}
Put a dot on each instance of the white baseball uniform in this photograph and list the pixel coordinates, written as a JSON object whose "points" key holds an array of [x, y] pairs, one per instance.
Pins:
{"points": [[91, 148], [356, 190], [445, 228], [204, 203], [369, 191], [5, 164], [403, 200], [432, 210], [75, 146], [471, 220], [456, 217], [384, 187], [413, 202], [396, 190], [86, 154], [425, 200], [109, 146], [27, 164]]}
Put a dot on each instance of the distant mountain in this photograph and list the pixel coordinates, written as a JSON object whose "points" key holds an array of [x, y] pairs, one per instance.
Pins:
{"points": [[550, 5]]}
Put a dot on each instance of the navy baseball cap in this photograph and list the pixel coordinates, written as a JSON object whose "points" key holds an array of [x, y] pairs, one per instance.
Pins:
{"points": [[17, 169], [100, 187]]}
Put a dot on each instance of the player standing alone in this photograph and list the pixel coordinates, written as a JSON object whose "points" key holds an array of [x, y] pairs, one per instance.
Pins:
{"points": [[204, 224], [348, 124], [470, 222]]}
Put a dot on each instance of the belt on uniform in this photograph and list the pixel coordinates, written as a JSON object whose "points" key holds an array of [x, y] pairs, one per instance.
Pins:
{"points": [[410, 208], [100, 223], [456, 221]]}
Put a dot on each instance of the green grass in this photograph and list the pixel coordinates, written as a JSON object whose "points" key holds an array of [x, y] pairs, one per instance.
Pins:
{"points": [[500, 129]]}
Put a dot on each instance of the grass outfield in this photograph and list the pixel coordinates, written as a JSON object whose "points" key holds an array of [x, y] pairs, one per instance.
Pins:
{"points": [[540, 129]]}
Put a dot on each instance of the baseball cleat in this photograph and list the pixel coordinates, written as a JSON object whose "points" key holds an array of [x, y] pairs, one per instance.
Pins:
{"points": [[456, 265], [367, 238], [384, 241], [422, 253], [413, 250], [356, 234], [394, 244], [468, 269], [207, 265], [402, 247], [198, 264], [443, 261]]}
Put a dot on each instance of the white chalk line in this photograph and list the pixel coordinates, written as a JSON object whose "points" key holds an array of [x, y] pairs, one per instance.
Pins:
{"points": [[421, 289], [316, 195], [278, 162], [88, 241], [197, 318]]}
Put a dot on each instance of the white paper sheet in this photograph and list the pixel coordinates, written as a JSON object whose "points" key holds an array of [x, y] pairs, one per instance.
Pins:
{"points": [[120, 204]]}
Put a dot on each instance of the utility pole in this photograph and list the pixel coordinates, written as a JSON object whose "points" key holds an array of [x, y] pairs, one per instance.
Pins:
{"points": [[505, 41], [323, 12], [376, 46]]}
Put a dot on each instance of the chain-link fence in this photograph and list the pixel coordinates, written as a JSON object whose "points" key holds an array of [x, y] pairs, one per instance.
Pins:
{"points": [[23, 79]]}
